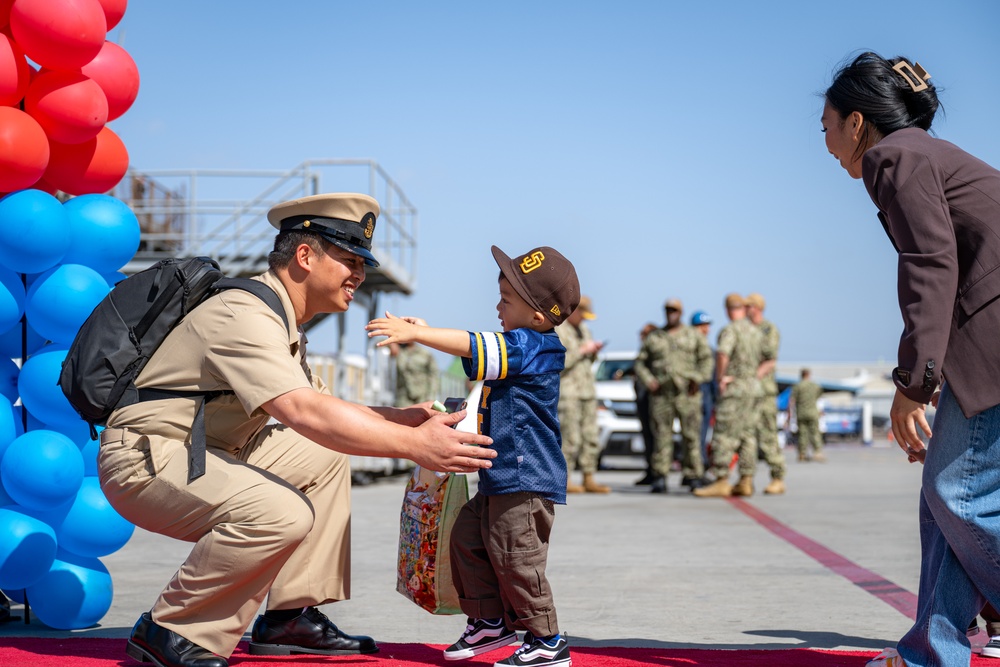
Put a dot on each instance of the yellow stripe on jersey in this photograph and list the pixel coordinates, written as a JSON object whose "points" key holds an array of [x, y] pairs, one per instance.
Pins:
{"points": [[503, 355], [479, 355]]}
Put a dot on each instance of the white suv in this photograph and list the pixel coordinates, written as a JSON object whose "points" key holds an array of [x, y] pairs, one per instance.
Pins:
{"points": [[619, 431]]}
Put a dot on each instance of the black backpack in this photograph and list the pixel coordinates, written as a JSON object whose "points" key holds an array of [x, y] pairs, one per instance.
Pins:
{"points": [[129, 324]]}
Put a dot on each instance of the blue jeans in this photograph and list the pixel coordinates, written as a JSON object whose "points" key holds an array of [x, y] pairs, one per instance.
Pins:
{"points": [[959, 535]]}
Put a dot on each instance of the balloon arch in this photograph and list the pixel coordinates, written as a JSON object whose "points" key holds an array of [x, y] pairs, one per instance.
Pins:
{"points": [[61, 82]]}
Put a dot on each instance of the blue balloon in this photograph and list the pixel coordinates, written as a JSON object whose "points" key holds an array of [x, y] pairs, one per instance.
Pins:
{"points": [[92, 527], [27, 548], [9, 428], [33, 422], [8, 379], [11, 342], [113, 278], [104, 232], [62, 298], [75, 593], [15, 594], [4, 498], [39, 388], [76, 430], [11, 299], [34, 231], [42, 470], [89, 452]]}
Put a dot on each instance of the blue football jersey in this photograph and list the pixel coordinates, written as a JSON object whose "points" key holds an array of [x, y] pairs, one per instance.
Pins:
{"points": [[518, 408]]}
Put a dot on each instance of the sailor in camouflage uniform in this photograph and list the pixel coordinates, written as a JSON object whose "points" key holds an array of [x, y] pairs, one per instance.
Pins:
{"points": [[767, 423], [673, 363], [738, 354], [578, 399], [803, 402], [416, 374]]}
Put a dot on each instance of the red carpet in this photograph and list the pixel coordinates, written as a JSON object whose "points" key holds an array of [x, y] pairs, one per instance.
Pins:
{"points": [[85, 652]]}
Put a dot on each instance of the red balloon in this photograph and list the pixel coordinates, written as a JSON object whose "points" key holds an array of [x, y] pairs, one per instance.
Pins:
{"points": [[59, 34], [69, 106], [93, 167], [15, 72], [113, 11], [45, 186], [5, 12], [24, 150], [115, 72]]}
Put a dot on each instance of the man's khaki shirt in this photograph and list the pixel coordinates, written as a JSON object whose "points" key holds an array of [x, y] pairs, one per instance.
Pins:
{"points": [[232, 341]]}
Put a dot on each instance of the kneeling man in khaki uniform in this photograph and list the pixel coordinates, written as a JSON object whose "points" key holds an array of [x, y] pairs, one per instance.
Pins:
{"points": [[271, 514]]}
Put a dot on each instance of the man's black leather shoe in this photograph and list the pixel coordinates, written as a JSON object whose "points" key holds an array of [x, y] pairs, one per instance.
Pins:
{"points": [[659, 485], [312, 632], [154, 643]]}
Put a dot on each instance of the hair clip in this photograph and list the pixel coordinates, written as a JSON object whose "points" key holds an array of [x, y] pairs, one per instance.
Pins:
{"points": [[914, 74]]}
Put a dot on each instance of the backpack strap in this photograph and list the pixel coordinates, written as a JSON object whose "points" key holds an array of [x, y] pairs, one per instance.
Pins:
{"points": [[258, 289], [198, 453]]}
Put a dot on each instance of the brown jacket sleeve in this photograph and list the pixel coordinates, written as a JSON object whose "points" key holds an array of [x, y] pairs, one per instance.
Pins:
{"points": [[908, 189]]}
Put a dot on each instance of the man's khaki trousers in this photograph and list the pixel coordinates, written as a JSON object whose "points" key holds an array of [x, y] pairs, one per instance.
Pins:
{"points": [[273, 519]]}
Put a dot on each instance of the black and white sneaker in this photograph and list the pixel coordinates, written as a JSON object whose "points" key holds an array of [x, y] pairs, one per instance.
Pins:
{"points": [[536, 652], [992, 648], [480, 636]]}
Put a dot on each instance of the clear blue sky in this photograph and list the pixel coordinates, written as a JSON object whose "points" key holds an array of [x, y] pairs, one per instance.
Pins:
{"points": [[669, 149]]}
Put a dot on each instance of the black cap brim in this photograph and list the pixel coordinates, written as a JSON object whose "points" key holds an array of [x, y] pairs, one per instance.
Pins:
{"points": [[352, 248]]}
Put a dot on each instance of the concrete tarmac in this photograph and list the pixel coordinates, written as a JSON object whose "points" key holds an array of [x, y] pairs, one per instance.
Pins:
{"points": [[636, 569]]}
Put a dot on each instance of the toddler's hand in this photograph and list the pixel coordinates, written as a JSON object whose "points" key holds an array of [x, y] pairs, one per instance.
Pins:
{"points": [[395, 329]]}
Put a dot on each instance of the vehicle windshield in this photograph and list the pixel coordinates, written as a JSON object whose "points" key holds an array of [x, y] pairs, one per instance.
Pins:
{"points": [[614, 369]]}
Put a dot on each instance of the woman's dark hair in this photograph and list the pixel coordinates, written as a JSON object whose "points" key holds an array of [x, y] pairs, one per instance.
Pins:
{"points": [[882, 95], [285, 244]]}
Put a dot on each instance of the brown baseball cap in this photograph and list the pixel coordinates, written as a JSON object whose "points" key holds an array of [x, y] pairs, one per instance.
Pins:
{"points": [[544, 279], [345, 219], [734, 300]]}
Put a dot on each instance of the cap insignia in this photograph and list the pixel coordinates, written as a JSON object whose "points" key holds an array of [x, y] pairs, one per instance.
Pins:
{"points": [[532, 261], [369, 222]]}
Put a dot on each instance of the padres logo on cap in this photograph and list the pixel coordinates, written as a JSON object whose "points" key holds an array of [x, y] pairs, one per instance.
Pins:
{"points": [[532, 262]]}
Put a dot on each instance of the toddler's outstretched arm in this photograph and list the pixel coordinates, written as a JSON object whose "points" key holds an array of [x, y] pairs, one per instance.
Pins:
{"points": [[414, 330]]}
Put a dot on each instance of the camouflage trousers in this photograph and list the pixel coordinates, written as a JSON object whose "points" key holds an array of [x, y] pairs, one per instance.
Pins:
{"points": [[663, 409], [735, 431], [766, 436], [809, 435], [578, 424]]}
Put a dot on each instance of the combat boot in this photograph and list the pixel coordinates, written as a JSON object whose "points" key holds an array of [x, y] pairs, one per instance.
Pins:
{"points": [[719, 489], [776, 487], [590, 485], [573, 488], [744, 487], [819, 457]]}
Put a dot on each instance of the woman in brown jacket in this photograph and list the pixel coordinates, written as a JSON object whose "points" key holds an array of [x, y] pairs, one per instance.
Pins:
{"points": [[940, 207]]}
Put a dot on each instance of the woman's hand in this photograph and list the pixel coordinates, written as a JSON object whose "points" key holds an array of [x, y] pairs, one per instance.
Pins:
{"points": [[906, 416]]}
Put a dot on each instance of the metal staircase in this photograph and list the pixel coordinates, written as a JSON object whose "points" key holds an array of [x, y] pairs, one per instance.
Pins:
{"points": [[222, 213]]}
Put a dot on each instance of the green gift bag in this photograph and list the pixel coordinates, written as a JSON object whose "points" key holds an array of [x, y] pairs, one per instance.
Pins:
{"points": [[430, 506]]}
